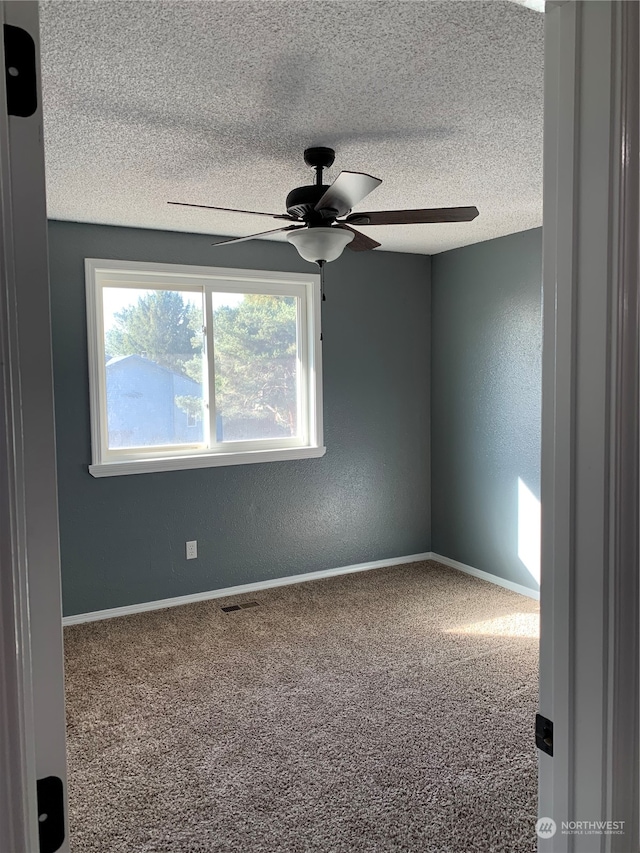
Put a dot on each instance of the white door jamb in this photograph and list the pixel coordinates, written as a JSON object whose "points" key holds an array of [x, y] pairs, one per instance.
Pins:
{"points": [[590, 523]]}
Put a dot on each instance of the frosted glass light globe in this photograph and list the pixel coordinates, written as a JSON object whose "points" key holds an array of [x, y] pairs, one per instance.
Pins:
{"points": [[320, 244]]}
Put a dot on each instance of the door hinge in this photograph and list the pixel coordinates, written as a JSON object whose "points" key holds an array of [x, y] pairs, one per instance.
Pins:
{"points": [[20, 72], [50, 814], [544, 734]]}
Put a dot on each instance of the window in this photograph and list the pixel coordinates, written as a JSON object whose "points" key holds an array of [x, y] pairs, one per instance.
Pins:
{"points": [[191, 367]]}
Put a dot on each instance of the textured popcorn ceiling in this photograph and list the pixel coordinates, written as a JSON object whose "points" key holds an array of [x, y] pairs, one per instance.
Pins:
{"points": [[214, 102]]}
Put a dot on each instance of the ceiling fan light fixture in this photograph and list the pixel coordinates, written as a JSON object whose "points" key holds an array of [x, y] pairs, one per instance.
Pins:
{"points": [[320, 244]]}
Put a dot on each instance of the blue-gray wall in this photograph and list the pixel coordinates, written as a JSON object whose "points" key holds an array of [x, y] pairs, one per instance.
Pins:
{"points": [[123, 538], [485, 403]]}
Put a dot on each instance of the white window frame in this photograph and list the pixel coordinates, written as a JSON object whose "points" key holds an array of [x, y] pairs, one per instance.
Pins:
{"points": [[100, 273]]}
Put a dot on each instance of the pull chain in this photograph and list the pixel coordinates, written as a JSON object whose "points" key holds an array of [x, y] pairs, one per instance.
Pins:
{"points": [[321, 265]]}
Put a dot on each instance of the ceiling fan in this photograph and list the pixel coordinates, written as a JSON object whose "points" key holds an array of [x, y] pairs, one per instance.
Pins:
{"points": [[321, 217]]}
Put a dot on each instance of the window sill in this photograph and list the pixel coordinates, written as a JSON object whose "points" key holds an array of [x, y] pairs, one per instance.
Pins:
{"points": [[204, 460]]}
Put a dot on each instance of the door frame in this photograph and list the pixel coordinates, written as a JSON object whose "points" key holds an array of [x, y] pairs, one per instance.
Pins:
{"points": [[589, 480], [32, 713]]}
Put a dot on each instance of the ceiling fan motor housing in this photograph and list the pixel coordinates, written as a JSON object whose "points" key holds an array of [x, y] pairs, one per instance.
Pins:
{"points": [[302, 201]]}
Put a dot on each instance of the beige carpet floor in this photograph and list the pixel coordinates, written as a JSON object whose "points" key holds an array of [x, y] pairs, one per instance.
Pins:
{"points": [[391, 710]]}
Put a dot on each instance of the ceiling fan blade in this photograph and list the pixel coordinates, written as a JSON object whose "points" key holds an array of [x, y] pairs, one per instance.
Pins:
{"points": [[346, 191], [234, 210], [361, 242], [260, 234], [414, 217]]}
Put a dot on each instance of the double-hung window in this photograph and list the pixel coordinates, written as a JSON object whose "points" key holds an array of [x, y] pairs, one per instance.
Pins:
{"points": [[191, 367]]}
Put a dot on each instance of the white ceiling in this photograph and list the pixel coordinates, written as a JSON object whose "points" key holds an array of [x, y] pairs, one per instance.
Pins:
{"points": [[213, 102]]}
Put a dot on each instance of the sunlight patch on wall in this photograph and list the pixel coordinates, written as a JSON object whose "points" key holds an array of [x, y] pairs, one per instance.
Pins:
{"points": [[529, 530], [536, 5], [511, 625]]}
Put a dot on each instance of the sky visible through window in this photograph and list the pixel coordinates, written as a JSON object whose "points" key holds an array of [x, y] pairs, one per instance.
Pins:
{"points": [[117, 298]]}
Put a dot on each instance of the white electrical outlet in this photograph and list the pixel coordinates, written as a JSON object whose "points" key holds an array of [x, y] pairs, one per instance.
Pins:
{"points": [[192, 549]]}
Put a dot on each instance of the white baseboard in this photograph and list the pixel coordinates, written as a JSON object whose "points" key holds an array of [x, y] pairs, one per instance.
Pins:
{"points": [[485, 576], [161, 604], [127, 610]]}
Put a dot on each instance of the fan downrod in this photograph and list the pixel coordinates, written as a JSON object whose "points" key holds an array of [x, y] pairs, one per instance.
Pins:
{"points": [[319, 158]]}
